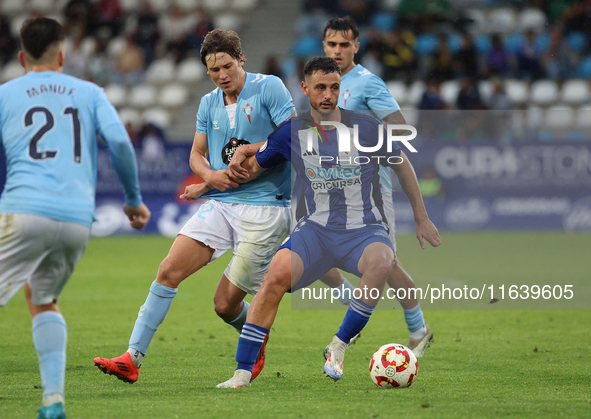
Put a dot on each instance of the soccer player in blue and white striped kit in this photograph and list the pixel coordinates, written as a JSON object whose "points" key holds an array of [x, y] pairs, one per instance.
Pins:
{"points": [[361, 90], [49, 124], [345, 225]]}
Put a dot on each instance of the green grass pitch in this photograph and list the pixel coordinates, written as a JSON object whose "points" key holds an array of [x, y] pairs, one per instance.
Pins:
{"points": [[483, 364]]}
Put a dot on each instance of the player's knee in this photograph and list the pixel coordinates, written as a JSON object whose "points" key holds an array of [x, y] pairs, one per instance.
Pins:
{"points": [[169, 275], [278, 280], [381, 266], [223, 309]]}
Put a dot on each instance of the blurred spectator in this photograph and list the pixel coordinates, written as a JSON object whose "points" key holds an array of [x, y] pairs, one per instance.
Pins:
{"points": [[174, 28], [466, 59], [558, 56], [360, 10], [201, 27], [497, 61], [294, 85], [469, 96], [422, 14], [152, 140], [107, 18], [430, 184], [371, 55], [273, 66], [7, 43], [442, 61], [100, 65], [147, 34], [399, 59], [77, 61], [133, 134], [78, 15], [432, 100], [130, 63], [330, 7], [499, 100], [529, 58], [577, 17]]}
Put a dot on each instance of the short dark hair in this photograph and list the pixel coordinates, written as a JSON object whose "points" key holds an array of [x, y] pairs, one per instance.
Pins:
{"points": [[325, 64], [220, 40], [342, 25], [38, 34]]}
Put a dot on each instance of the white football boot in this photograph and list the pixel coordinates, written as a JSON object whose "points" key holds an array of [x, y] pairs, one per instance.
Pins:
{"points": [[419, 346], [333, 367], [351, 342], [242, 378]]}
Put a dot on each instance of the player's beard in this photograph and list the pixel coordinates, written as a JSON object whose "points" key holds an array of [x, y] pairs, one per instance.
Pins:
{"points": [[324, 112]]}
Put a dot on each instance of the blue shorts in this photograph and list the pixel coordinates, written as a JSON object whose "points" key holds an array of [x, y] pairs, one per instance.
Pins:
{"points": [[321, 249]]}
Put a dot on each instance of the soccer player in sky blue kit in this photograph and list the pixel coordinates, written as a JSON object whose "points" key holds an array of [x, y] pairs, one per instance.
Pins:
{"points": [[345, 225], [49, 124], [363, 91], [252, 219]]}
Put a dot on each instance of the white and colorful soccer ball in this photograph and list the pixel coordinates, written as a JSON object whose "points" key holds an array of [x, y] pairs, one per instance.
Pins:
{"points": [[393, 365]]}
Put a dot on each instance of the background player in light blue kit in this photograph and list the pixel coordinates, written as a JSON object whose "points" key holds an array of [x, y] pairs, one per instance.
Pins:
{"points": [[49, 124], [345, 225], [361, 90], [252, 219]]}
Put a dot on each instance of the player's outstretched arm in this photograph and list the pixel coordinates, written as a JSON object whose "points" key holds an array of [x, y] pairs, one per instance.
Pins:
{"points": [[425, 229], [239, 168], [138, 216], [216, 179]]}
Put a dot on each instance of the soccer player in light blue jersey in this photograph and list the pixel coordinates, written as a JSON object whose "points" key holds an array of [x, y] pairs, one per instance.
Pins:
{"points": [[49, 124], [252, 219], [345, 225], [362, 90]]}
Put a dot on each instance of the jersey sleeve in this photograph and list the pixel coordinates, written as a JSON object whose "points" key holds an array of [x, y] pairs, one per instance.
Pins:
{"points": [[112, 130], [202, 116], [378, 98], [276, 149], [278, 100]]}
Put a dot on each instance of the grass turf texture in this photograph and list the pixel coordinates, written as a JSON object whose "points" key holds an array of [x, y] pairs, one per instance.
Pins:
{"points": [[482, 364]]}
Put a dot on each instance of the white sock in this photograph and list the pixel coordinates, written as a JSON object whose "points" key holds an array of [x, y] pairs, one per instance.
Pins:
{"points": [[136, 356], [417, 334]]}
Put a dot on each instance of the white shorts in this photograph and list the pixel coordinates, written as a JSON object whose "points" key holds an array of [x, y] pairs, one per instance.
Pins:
{"points": [[40, 251], [254, 232], [389, 210]]}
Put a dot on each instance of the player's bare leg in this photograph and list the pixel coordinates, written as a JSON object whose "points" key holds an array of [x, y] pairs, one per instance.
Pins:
{"points": [[228, 301], [420, 334], [286, 266], [186, 256]]}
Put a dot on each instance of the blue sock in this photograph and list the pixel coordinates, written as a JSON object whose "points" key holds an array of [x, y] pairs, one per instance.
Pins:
{"points": [[249, 344], [355, 320], [239, 321], [414, 318], [151, 315], [50, 336]]}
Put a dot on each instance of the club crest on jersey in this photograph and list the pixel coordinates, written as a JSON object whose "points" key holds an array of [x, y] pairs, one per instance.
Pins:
{"points": [[247, 110], [346, 95], [230, 148]]}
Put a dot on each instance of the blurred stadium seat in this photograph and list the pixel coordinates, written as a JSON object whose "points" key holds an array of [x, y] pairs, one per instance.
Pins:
{"points": [[13, 7], [132, 116], [415, 92], [485, 87], [161, 71], [583, 117], [116, 94], [449, 91], [426, 44], [160, 6], [479, 21], [142, 96], [244, 5], [502, 20], [384, 21], [215, 6], [190, 71], [173, 95], [12, 70], [306, 46], [532, 19], [227, 21], [559, 117], [157, 116], [577, 41], [575, 92], [517, 91], [585, 68], [130, 5], [398, 91], [543, 92]]}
